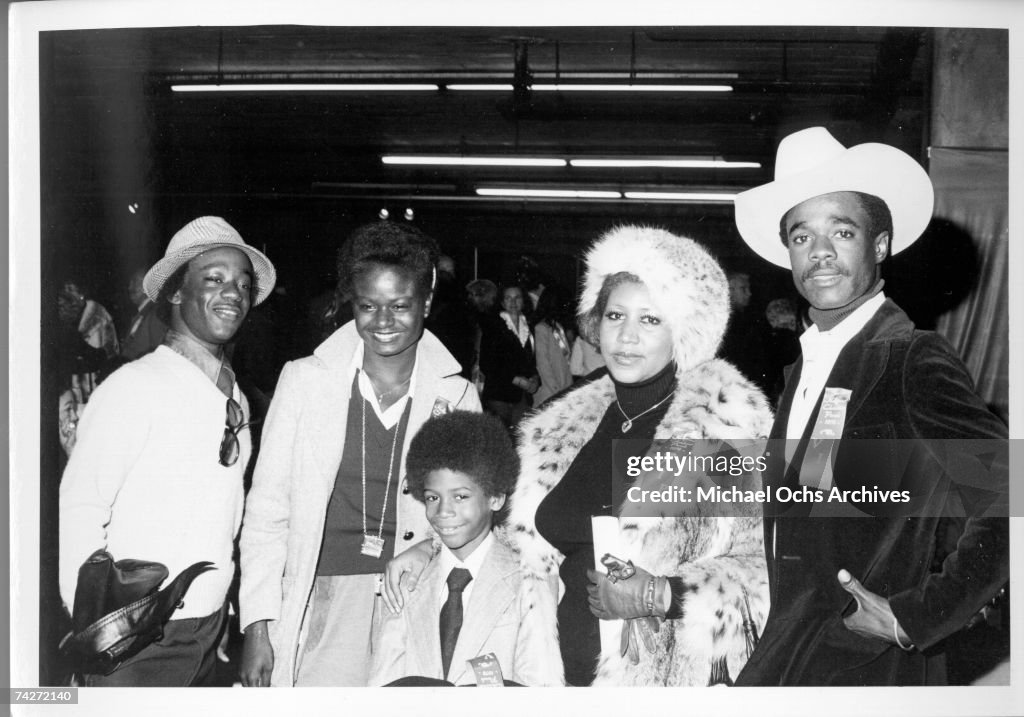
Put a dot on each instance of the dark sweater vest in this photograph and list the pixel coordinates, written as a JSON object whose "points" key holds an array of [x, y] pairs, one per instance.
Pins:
{"points": [[343, 532]]}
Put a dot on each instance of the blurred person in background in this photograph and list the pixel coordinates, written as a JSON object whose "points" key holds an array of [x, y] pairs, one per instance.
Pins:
{"points": [[553, 348], [507, 359], [145, 330], [482, 295], [90, 319], [745, 337], [782, 344], [451, 318]]}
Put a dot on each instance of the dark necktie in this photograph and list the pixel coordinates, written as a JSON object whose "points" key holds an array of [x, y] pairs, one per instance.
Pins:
{"points": [[451, 615]]}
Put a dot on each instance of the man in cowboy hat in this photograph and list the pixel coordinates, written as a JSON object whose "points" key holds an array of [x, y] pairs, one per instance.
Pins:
{"points": [[856, 600], [162, 446]]}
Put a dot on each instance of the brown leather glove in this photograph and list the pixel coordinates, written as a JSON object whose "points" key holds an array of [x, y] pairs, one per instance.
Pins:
{"points": [[639, 595], [636, 632]]}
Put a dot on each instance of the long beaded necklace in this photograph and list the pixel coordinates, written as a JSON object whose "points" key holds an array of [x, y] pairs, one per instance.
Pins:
{"points": [[372, 545]]}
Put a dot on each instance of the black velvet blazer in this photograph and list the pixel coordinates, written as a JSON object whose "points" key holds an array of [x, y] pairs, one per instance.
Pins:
{"points": [[905, 384]]}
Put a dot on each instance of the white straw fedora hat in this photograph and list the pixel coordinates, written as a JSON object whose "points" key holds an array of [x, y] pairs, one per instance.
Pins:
{"points": [[201, 235], [812, 162]]}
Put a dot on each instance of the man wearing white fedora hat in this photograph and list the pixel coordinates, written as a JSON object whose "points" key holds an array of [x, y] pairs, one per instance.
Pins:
{"points": [[857, 600], [162, 447]]}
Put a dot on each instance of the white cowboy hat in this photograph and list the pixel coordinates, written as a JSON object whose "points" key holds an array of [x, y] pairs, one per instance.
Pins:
{"points": [[812, 162], [201, 235]]}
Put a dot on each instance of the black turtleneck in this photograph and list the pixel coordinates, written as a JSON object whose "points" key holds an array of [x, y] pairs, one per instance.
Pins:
{"points": [[828, 319], [637, 397], [586, 489]]}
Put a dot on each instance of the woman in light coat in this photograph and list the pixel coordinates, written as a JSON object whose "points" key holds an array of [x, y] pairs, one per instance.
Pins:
{"points": [[328, 505]]}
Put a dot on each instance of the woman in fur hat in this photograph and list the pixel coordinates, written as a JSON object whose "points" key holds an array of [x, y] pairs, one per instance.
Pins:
{"points": [[657, 305]]}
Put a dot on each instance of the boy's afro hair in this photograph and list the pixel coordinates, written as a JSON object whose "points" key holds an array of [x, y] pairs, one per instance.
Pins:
{"points": [[475, 444]]}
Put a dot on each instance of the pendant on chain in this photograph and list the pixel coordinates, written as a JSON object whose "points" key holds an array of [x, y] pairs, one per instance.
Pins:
{"points": [[372, 546]]}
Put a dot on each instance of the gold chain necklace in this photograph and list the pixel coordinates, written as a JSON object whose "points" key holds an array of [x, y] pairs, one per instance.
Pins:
{"points": [[628, 423], [380, 396]]}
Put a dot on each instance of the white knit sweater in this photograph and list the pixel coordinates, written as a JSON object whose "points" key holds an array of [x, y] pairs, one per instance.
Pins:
{"points": [[145, 482]]}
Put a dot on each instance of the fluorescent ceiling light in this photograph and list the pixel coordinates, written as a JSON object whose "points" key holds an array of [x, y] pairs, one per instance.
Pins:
{"points": [[641, 75], [296, 87], [630, 88], [559, 193], [692, 163], [430, 87], [481, 88], [475, 161], [684, 196]]}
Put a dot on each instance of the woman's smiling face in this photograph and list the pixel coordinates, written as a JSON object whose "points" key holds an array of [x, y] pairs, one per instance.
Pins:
{"points": [[389, 309], [636, 341]]}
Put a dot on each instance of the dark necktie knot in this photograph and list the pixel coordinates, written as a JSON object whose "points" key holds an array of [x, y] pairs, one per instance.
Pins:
{"points": [[458, 579]]}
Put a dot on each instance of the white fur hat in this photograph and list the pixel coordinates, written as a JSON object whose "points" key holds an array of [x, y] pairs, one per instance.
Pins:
{"points": [[812, 162], [685, 282], [201, 235]]}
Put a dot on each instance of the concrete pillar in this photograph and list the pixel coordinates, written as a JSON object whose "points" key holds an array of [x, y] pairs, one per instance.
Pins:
{"points": [[970, 98]]}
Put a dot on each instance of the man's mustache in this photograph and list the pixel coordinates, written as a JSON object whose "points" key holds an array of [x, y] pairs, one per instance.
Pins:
{"points": [[824, 267]]}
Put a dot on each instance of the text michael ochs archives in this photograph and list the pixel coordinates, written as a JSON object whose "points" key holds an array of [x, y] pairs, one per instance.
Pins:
{"points": [[672, 464], [726, 477], [781, 494]]}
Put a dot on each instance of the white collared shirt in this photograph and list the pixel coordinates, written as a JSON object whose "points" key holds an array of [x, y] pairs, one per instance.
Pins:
{"points": [[820, 349], [448, 561], [394, 413], [521, 329]]}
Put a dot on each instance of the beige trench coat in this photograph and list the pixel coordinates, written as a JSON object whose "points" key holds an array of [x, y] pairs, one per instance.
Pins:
{"points": [[297, 465]]}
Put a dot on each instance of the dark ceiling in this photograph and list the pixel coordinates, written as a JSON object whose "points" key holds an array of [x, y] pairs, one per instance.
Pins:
{"points": [[296, 171]]}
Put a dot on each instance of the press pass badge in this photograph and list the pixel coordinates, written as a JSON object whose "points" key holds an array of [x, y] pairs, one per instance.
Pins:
{"points": [[487, 670], [816, 471], [832, 416], [440, 408]]}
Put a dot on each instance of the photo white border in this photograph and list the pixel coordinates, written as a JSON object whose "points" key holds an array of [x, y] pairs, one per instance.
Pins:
{"points": [[27, 20]]}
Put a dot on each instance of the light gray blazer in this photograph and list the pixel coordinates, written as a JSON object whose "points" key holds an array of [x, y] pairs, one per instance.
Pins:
{"points": [[497, 619]]}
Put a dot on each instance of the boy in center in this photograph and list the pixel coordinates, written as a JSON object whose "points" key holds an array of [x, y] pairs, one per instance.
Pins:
{"points": [[471, 597]]}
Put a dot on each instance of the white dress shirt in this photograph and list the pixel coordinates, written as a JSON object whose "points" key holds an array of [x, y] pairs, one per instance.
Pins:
{"points": [[473, 564], [820, 349], [394, 413]]}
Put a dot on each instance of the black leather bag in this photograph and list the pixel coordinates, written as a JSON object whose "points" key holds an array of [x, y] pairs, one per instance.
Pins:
{"points": [[119, 609]]}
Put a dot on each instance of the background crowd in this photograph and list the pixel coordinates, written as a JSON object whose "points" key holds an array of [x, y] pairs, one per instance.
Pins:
{"points": [[346, 497]]}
